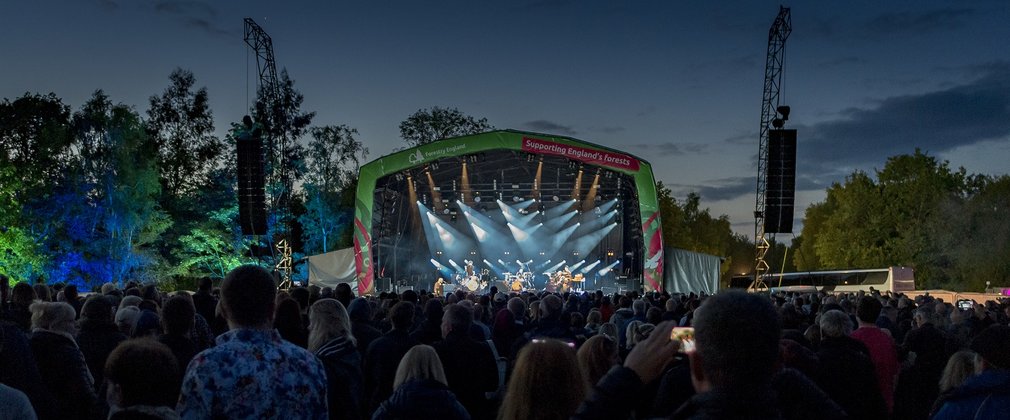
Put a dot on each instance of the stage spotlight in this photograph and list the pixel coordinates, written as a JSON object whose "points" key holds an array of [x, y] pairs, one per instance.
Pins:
{"points": [[517, 198], [445, 211], [476, 198], [556, 198]]}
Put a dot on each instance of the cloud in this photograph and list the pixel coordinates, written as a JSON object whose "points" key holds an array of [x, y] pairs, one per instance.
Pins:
{"points": [[918, 22], [108, 4], [549, 126], [735, 187], [193, 14], [743, 138], [673, 149], [935, 121]]}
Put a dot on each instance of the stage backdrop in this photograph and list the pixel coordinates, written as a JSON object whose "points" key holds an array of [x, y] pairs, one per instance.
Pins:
{"points": [[332, 268], [537, 143], [688, 271]]}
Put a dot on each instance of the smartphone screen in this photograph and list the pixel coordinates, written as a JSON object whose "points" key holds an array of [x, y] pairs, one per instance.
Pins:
{"points": [[686, 337]]}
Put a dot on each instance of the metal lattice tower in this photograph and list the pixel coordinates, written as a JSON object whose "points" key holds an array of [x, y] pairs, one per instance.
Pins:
{"points": [[777, 35], [278, 180]]}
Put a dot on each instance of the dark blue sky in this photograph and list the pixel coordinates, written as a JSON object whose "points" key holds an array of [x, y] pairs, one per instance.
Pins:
{"points": [[677, 83]]}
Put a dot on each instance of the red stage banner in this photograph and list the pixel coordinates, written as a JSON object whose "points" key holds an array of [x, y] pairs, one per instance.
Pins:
{"points": [[593, 156]]}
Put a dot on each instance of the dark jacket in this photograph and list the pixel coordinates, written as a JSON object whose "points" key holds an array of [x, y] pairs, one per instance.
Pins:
{"points": [[381, 361], [205, 304], [421, 400], [470, 369], [984, 396], [20, 316], [789, 395], [97, 339], [343, 376], [848, 376], [362, 329], [182, 348], [18, 370], [918, 385], [65, 374]]}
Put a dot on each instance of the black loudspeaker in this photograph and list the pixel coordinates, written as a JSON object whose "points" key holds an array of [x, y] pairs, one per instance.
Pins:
{"points": [[780, 186], [252, 207]]}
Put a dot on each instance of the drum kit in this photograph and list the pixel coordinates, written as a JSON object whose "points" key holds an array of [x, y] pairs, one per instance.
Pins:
{"points": [[519, 281]]}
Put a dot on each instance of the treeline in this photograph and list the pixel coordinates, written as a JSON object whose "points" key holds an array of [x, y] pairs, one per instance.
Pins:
{"points": [[104, 193]]}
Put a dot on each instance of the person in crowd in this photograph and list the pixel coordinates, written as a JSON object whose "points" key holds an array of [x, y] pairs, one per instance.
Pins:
{"points": [[126, 318], [421, 390], [361, 323], [73, 298], [609, 329], [43, 292], [98, 335], [550, 325], [987, 394], [430, 330], [130, 301], [596, 356], [204, 300], [883, 351], [470, 367], [288, 322], [384, 354], [252, 372], [960, 367], [509, 325], [15, 405], [61, 363], [917, 387], [22, 296], [622, 316], [177, 319], [846, 370], [732, 381], [148, 324], [344, 294], [331, 340], [593, 321], [143, 380], [544, 383], [18, 370]]}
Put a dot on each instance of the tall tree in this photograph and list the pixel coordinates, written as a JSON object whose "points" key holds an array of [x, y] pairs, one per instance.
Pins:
{"points": [[182, 126], [436, 123], [334, 155]]}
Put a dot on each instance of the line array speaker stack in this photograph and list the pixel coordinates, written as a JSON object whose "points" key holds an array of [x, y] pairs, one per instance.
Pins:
{"points": [[252, 207], [780, 186]]}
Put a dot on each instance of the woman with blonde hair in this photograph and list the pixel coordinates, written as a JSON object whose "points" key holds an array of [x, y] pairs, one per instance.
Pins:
{"points": [[960, 367], [544, 383], [609, 329], [421, 391], [596, 356], [61, 363], [330, 339]]}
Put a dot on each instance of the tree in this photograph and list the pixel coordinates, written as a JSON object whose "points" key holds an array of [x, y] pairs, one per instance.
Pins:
{"points": [[182, 126], [436, 123], [333, 159]]}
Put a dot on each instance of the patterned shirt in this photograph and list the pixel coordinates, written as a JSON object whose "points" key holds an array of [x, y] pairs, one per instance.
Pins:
{"points": [[253, 374]]}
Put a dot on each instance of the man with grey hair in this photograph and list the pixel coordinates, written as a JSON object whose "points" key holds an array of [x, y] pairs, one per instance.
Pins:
{"points": [[509, 325], [918, 385], [846, 370]]}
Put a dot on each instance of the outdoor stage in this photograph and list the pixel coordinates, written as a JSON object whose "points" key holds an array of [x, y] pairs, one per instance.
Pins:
{"points": [[516, 210]]}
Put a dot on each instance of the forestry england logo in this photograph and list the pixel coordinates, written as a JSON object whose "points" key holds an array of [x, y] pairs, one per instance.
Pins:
{"points": [[416, 157]]}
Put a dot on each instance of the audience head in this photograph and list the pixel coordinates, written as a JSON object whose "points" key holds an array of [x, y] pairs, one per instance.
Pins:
{"points": [[609, 329], [722, 324], [301, 295], [960, 367], [596, 356], [328, 319], [54, 316], [550, 307], [148, 324], [206, 285], [835, 323], [108, 288], [638, 306], [130, 301], [517, 307], [402, 316], [247, 297], [126, 318], [993, 348], [421, 362], [344, 294], [178, 316], [97, 308], [43, 292], [595, 317], [457, 318], [142, 372], [543, 382], [868, 309], [22, 295]]}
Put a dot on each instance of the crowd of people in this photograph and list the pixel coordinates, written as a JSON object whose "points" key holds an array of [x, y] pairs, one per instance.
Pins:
{"points": [[243, 349]]}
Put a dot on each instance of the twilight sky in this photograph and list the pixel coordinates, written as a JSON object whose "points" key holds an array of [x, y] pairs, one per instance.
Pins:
{"points": [[677, 83]]}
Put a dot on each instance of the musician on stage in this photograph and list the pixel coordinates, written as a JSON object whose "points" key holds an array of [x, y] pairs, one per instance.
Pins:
{"points": [[439, 287]]}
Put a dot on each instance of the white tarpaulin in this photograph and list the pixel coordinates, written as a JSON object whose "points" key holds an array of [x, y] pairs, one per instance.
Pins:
{"points": [[333, 268], [686, 271]]}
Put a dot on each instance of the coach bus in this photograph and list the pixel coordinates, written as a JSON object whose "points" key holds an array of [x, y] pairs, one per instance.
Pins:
{"points": [[893, 279]]}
